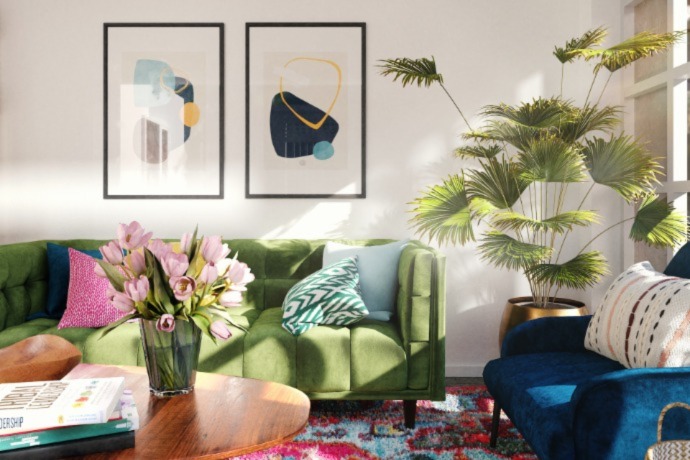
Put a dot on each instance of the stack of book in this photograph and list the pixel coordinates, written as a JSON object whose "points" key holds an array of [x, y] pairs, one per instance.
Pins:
{"points": [[66, 417]]}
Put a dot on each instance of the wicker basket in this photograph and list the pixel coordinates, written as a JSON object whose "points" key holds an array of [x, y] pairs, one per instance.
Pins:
{"points": [[668, 450]]}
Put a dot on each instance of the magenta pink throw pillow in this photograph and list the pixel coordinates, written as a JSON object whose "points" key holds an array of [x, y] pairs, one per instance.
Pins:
{"points": [[87, 303]]}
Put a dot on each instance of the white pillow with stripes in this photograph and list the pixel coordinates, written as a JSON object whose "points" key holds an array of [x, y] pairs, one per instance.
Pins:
{"points": [[643, 320]]}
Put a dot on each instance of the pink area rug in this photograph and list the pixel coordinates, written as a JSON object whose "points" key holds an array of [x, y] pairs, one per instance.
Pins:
{"points": [[457, 428]]}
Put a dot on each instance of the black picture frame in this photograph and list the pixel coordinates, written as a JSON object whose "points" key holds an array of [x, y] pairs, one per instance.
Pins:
{"points": [[271, 181], [211, 114]]}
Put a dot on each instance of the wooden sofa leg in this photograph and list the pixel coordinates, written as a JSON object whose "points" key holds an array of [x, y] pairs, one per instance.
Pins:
{"points": [[494, 425], [410, 411]]}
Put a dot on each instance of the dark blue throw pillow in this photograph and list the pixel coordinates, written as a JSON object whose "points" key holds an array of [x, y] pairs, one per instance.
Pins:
{"points": [[58, 280], [680, 264]]}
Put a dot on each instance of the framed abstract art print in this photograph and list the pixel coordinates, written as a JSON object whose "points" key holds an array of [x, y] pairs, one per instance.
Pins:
{"points": [[305, 110], [163, 110]]}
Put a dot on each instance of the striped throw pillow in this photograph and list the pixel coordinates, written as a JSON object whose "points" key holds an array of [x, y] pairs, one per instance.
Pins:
{"points": [[330, 296], [643, 320]]}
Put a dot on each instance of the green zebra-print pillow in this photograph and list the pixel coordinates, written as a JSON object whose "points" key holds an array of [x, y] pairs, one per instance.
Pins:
{"points": [[330, 296]]}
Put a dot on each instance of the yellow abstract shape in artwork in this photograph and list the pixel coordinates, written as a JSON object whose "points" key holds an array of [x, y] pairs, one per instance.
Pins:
{"points": [[318, 124], [190, 114]]}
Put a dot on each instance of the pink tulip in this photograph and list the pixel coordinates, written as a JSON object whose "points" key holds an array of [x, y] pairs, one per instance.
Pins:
{"points": [[132, 236], [230, 299], [209, 274], [240, 274], [119, 300], [213, 249], [166, 323], [183, 287], [98, 270], [220, 330], [185, 242], [136, 262], [112, 253], [159, 248], [138, 288], [175, 265]]}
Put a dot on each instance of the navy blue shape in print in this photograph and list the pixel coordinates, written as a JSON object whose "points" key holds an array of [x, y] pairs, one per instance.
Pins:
{"points": [[291, 138]]}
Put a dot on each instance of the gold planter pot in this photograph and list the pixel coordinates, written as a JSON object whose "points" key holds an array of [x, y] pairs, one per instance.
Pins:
{"points": [[521, 309]]}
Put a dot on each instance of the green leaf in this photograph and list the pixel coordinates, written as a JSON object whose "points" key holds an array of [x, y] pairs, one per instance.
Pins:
{"points": [[658, 224], [588, 119], [498, 182], [621, 164], [443, 213], [639, 46], [222, 313], [519, 136], [508, 220], [581, 271], [115, 276], [203, 322], [540, 113], [551, 160], [478, 151], [574, 47], [161, 290], [410, 71], [118, 322], [505, 251], [191, 250]]}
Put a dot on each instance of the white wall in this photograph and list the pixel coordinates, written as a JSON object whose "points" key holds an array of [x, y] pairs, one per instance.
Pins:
{"points": [[51, 126]]}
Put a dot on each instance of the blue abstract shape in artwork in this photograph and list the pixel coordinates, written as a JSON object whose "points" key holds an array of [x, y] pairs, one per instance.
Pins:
{"points": [[292, 138], [153, 82], [323, 150]]}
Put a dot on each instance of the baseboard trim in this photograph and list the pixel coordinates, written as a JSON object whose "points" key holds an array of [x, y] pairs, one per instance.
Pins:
{"points": [[464, 370]]}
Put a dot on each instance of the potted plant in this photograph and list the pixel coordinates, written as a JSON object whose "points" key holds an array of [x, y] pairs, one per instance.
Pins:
{"points": [[525, 159]]}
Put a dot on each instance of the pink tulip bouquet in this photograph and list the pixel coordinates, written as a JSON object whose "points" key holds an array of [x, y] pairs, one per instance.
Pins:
{"points": [[154, 280]]}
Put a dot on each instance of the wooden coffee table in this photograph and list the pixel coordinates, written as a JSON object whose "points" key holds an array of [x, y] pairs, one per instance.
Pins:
{"points": [[224, 416]]}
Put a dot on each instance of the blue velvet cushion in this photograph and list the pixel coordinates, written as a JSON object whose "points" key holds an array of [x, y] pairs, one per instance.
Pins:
{"points": [[58, 280], [680, 264], [378, 271]]}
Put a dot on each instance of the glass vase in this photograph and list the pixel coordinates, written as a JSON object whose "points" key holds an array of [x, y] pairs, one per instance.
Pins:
{"points": [[171, 357]]}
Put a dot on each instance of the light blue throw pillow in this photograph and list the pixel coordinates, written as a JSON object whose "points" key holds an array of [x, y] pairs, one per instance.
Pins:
{"points": [[378, 273]]}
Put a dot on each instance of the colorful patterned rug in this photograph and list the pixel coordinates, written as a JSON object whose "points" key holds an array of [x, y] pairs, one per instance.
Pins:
{"points": [[457, 428]]}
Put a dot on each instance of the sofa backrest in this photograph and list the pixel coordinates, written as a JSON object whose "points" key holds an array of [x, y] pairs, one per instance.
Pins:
{"points": [[277, 265]]}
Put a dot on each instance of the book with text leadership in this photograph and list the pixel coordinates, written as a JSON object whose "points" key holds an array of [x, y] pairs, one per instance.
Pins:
{"points": [[35, 405]]}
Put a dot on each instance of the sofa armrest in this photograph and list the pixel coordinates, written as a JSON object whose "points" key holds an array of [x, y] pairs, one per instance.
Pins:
{"points": [[421, 316], [615, 415], [543, 335]]}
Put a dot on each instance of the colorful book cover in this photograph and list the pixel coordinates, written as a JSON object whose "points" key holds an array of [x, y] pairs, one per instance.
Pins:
{"points": [[38, 405], [125, 418]]}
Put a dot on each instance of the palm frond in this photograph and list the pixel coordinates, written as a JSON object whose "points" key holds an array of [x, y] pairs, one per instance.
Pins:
{"points": [[588, 119], [658, 224], [581, 271], [443, 213], [497, 181], [421, 71], [621, 164], [478, 151], [573, 48], [505, 251], [519, 136], [477, 136], [551, 160], [540, 113], [560, 223], [639, 46]]}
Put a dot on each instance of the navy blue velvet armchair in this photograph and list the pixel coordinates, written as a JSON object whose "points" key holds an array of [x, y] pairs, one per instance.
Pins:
{"points": [[571, 403]]}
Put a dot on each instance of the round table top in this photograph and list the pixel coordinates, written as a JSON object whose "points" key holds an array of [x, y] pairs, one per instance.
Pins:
{"points": [[224, 416]]}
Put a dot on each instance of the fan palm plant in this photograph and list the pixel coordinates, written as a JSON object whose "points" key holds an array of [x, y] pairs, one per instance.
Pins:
{"points": [[526, 159]]}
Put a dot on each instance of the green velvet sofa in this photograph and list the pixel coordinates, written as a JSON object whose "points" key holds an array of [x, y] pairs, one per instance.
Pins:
{"points": [[401, 359]]}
